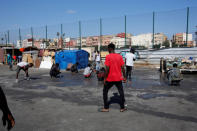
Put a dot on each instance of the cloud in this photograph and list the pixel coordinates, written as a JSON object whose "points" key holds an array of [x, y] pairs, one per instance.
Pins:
{"points": [[70, 11]]}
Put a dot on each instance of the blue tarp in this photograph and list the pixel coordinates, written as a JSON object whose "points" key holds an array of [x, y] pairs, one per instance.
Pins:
{"points": [[72, 56]]}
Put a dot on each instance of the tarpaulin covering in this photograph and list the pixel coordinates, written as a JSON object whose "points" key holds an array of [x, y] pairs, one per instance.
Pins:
{"points": [[72, 56], [46, 63]]}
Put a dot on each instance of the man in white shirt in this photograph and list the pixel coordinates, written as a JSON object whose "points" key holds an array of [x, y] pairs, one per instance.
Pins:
{"points": [[93, 56], [24, 66], [87, 71], [129, 60], [98, 59]]}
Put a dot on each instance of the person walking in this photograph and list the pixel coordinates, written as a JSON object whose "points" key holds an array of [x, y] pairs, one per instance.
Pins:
{"points": [[19, 58], [9, 61], [98, 59], [129, 60], [93, 59], [114, 75]]}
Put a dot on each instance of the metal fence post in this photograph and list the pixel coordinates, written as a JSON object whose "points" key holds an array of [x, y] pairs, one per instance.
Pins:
{"points": [[61, 30], [125, 20], [187, 26], [32, 35], [8, 36], [6, 40], [46, 36], [20, 38], [153, 42], [100, 45], [80, 34], [61, 36]]}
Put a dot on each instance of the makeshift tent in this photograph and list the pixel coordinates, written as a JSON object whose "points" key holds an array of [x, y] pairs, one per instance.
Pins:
{"points": [[30, 56], [47, 59], [72, 56], [46, 62]]}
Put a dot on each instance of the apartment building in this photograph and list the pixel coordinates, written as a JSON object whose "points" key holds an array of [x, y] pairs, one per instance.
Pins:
{"points": [[146, 40], [92, 40], [180, 39], [83, 41], [120, 42], [106, 39], [159, 38], [95, 40], [27, 42], [142, 40]]}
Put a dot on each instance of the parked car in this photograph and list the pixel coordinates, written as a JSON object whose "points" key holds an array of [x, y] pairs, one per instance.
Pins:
{"points": [[123, 53]]}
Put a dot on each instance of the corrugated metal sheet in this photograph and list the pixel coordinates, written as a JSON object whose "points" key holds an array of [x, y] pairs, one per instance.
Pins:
{"points": [[1, 55]]}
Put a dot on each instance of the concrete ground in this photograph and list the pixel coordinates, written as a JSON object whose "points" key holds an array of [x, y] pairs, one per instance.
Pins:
{"points": [[71, 103]]}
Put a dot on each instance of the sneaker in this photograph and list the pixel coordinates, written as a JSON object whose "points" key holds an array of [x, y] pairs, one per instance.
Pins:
{"points": [[122, 110], [16, 80]]}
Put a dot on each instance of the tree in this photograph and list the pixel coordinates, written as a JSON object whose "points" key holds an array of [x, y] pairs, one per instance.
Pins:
{"points": [[174, 45], [157, 46], [166, 44], [183, 45]]}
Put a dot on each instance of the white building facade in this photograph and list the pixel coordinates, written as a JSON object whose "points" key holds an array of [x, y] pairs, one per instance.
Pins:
{"points": [[189, 38], [120, 42], [142, 40]]}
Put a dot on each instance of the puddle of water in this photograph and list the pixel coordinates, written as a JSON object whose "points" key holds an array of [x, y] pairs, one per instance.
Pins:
{"points": [[151, 95], [38, 87]]}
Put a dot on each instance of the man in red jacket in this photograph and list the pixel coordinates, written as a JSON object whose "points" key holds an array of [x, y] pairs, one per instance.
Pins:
{"points": [[114, 75]]}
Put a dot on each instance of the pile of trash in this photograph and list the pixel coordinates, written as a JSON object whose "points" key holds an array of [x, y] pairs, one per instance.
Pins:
{"points": [[183, 63]]}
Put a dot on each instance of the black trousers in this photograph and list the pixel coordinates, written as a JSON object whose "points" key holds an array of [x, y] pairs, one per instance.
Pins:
{"points": [[128, 71], [3, 103], [18, 69], [106, 88]]}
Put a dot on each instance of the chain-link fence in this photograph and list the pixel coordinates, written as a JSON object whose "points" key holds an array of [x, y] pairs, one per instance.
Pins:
{"points": [[175, 28]]}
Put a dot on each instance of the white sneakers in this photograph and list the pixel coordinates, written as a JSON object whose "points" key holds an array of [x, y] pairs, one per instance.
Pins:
{"points": [[26, 78]]}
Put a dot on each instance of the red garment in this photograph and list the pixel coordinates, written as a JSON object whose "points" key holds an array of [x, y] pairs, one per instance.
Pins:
{"points": [[14, 57], [114, 62], [87, 76]]}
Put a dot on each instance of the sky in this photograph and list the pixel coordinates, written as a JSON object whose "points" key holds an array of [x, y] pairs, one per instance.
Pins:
{"points": [[38, 13]]}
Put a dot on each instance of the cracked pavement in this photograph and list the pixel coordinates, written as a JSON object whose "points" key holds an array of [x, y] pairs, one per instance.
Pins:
{"points": [[71, 103]]}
